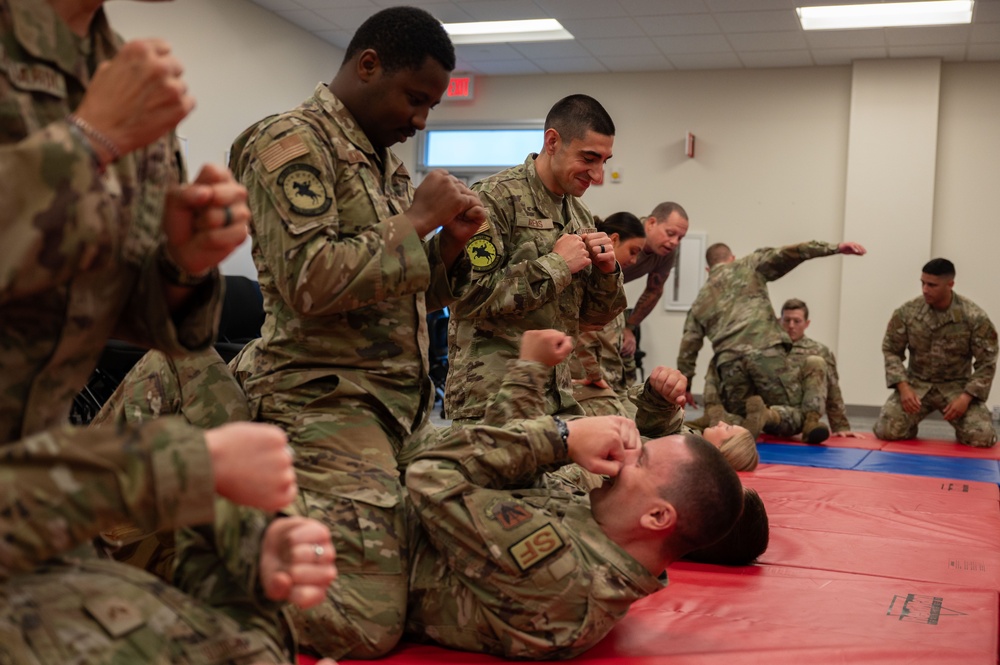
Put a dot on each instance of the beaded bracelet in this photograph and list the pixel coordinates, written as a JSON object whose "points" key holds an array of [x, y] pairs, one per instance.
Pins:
{"points": [[100, 137]]}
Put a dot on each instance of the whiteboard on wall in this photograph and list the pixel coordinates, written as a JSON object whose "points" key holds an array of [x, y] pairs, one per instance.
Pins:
{"points": [[688, 275]]}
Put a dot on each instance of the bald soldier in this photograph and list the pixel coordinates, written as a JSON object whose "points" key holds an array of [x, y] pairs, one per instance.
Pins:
{"points": [[538, 261], [952, 348]]}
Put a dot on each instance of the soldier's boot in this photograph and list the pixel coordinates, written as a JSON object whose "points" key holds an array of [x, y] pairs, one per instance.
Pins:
{"points": [[813, 429], [759, 415], [714, 413]]}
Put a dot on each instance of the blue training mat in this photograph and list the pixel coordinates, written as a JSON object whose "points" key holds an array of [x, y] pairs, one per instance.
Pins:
{"points": [[821, 456], [986, 470]]}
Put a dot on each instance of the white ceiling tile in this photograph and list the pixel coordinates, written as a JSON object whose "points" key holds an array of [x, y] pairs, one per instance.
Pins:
{"points": [[768, 41], [348, 18], [988, 32], [491, 10], [735, 22], [448, 12], [279, 5], [944, 34], [307, 19], [679, 24], [581, 8], [845, 56], [986, 12], [659, 7], [946, 53], [478, 53], [510, 67], [834, 39], [750, 5], [570, 65], [624, 46], [602, 27], [777, 59], [563, 49], [636, 63], [705, 61], [692, 44], [984, 52]]}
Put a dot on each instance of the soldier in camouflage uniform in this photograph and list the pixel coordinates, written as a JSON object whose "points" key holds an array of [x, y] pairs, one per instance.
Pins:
{"points": [[347, 279], [96, 245], [733, 309], [597, 365], [538, 262], [943, 333], [527, 573], [794, 321]]}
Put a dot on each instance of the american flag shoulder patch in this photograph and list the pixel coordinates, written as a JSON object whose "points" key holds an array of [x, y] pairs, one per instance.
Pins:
{"points": [[283, 151]]}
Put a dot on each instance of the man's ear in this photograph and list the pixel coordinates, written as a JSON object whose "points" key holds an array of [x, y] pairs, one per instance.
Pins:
{"points": [[662, 517], [368, 65], [552, 141]]}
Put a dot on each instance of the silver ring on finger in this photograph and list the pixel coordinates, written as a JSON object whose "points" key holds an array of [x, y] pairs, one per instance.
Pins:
{"points": [[318, 551]]}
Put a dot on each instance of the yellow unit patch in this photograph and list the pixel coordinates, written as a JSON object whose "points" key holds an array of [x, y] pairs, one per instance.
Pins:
{"points": [[535, 548], [482, 252], [303, 189]]}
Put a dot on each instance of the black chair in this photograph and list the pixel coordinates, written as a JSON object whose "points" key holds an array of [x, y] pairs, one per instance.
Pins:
{"points": [[437, 353]]}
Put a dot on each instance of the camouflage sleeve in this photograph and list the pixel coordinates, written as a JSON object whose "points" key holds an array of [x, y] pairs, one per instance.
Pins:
{"points": [[219, 565], [984, 351], [585, 362], [655, 416], [894, 349], [774, 263], [55, 219], [521, 394], [317, 269], [516, 284], [62, 487], [603, 300], [691, 341], [711, 394], [836, 412], [446, 284]]}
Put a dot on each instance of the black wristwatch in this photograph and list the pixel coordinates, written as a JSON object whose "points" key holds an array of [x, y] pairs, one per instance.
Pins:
{"points": [[563, 430]]}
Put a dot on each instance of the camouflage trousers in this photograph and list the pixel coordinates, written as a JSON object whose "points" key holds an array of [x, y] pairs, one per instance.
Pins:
{"points": [[100, 612], [348, 479], [974, 428], [790, 390]]}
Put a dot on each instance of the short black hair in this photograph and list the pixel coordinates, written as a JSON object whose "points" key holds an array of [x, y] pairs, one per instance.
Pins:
{"points": [[575, 115], [939, 268], [625, 224], [746, 541], [403, 37]]}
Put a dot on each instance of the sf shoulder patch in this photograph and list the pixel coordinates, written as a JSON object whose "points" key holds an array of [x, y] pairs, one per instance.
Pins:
{"points": [[304, 190], [536, 547], [509, 513], [482, 252]]}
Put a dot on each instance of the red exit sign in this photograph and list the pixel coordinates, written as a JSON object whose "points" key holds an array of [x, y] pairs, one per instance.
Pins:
{"points": [[460, 87]]}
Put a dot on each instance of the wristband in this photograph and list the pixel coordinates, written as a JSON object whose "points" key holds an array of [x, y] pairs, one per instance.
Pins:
{"points": [[100, 137]]}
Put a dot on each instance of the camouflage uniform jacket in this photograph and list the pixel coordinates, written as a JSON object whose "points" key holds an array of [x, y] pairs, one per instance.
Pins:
{"points": [[507, 569], [733, 308], [836, 412], [79, 266], [597, 355], [79, 262], [520, 284], [941, 346], [343, 275]]}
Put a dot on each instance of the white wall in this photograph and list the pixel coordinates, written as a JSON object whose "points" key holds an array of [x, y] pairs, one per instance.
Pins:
{"points": [[241, 63], [771, 164]]}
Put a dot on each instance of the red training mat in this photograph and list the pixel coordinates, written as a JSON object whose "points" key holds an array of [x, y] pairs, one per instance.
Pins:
{"points": [[866, 442], [895, 481], [940, 449]]}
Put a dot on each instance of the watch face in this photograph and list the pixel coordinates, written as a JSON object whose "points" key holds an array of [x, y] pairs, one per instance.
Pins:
{"points": [[303, 189], [482, 252]]}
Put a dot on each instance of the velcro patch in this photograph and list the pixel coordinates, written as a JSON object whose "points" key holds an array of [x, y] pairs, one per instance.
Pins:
{"points": [[509, 514], [536, 547], [283, 151], [483, 254], [536, 223], [587, 229], [116, 615], [303, 188]]}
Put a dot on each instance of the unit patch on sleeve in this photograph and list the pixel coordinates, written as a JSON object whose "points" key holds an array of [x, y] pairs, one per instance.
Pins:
{"points": [[509, 513], [535, 548], [301, 185], [482, 252]]}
